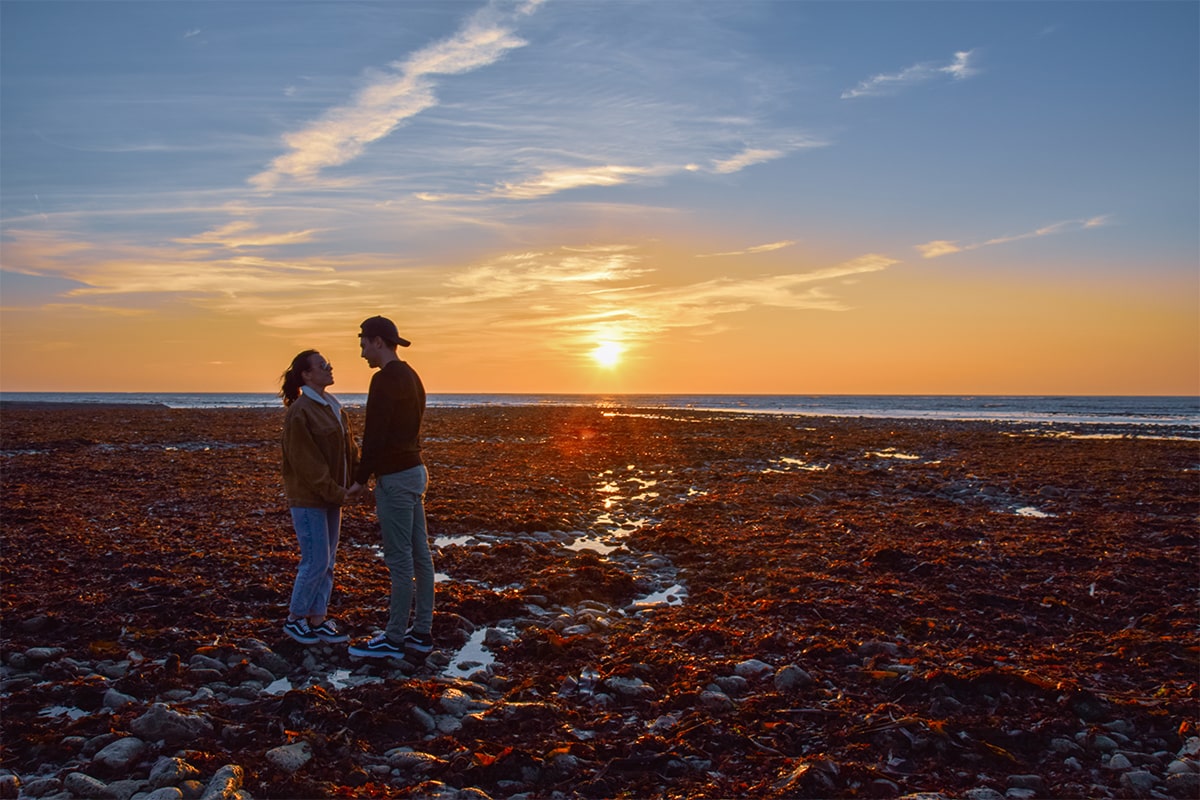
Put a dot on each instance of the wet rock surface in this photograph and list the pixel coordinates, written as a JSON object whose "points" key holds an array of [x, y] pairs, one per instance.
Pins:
{"points": [[639, 604]]}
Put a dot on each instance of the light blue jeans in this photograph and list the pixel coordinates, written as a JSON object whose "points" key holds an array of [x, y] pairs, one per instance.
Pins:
{"points": [[400, 504], [318, 530]]}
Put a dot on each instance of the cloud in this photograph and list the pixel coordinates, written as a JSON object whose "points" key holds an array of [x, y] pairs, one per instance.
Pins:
{"points": [[391, 97], [573, 299], [942, 247], [554, 181], [958, 69], [746, 158], [242, 234], [758, 248]]}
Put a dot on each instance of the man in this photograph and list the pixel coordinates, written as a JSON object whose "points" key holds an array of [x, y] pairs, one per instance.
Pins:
{"points": [[391, 451]]}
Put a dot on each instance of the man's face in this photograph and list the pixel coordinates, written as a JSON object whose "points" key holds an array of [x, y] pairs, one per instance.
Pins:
{"points": [[370, 350]]}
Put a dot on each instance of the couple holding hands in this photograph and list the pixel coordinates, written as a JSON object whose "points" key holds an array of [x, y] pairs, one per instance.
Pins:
{"points": [[323, 468]]}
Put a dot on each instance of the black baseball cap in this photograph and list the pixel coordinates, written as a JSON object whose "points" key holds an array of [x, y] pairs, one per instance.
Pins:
{"points": [[384, 328]]}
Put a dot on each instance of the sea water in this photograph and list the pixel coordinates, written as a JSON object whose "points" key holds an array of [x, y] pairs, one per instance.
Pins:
{"points": [[1176, 411]]}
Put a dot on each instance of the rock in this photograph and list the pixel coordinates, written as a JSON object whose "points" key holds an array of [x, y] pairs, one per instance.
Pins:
{"points": [[716, 701], [1031, 782], [121, 754], [459, 703], [85, 786], [42, 654], [290, 757], [732, 684], [171, 772], [225, 784], [982, 793], [1184, 785], [165, 793], [628, 687], [163, 723], [753, 669], [199, 661], [10, 785], [1179, 767], [126, 789], [1139, 782], [1191, 748], [40, 787], [791, 677], [1104, 743], [117, 701], [412, 761], [1119, 761]]}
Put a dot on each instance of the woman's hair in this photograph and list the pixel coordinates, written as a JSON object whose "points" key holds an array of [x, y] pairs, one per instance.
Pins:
{"points": [[293, 378]]}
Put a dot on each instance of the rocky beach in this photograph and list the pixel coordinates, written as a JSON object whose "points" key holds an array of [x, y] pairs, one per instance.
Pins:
{"points": [[633, 603]]}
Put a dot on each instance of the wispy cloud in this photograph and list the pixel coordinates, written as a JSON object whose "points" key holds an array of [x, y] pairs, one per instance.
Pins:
{"points": [[945, 247], [393, 96], [749, 251], [599, 294], [746, 158], [245, 234], [879, 85]]}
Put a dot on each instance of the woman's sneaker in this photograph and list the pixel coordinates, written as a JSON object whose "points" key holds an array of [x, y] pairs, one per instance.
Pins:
{"points": [[298, 629], [330, 631], [377, 647], [419, 643]]}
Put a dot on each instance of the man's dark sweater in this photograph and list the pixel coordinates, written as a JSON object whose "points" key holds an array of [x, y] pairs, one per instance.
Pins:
{"points": [[392, 434]]}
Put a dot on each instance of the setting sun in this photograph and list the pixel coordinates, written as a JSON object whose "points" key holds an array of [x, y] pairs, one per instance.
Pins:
{"points": [[607, 354]]}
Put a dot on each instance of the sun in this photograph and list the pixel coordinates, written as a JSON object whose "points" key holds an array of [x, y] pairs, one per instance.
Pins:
{"points": [[607, 354]]}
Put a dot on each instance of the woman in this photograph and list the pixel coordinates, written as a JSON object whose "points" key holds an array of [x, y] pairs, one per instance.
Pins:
{"points": [[319, 458]]}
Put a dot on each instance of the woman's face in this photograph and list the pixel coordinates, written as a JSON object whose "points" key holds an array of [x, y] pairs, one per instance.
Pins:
{"points": [[319, 373]]}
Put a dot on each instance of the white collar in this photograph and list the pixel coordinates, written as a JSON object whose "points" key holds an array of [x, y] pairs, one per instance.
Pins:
{"points": [[313, 394]]}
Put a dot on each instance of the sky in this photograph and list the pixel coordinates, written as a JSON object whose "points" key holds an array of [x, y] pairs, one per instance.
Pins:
{"points": [[717, 196]]}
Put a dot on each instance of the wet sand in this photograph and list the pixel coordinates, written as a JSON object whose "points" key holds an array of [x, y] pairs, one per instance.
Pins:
{"points": [[675, 603]]}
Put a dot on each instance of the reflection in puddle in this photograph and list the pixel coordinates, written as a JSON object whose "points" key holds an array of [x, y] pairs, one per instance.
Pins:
{"points": [[671, 596]]}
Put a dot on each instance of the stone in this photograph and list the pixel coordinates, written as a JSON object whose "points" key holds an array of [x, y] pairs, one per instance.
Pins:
{"points": [[37, 654], [85, 786], [164, 723], [982, 793], [791, 677], [225, 784], [716, 701], [290, 757], [1032, 782], [165, 793], [10, 785], [1119, 761], [1104, 744], [628, 687], [171, 772], [1184, 785], [753, 669], [118, 700], [40, 787], [121, 754], [1139, 782]]}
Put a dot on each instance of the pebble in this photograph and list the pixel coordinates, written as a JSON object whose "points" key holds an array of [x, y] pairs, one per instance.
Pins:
{"points": [[121, 754], [290, 757]]}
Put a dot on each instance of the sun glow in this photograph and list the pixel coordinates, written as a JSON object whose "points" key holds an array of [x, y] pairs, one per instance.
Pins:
{"points": [[607, 354]]}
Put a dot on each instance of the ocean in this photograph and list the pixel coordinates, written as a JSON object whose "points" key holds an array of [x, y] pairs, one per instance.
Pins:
{"points": [[1172, 415]]}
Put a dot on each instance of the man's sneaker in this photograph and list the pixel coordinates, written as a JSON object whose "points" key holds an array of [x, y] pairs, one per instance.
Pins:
{"points": [[298, 629], [420, 643], [330, 631], [377, 647]]}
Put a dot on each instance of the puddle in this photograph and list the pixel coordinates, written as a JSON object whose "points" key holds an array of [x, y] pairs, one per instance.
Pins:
{"points": [[473, 656], [671, 596], [1030, 511], [63, 711], [788, 464], [891, 452]]}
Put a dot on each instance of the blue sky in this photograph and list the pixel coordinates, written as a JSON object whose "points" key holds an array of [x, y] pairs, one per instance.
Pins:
{"points": [[819, 197]]}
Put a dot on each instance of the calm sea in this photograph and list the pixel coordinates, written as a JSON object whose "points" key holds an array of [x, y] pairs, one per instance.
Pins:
{"points": [[1181, 414]]}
